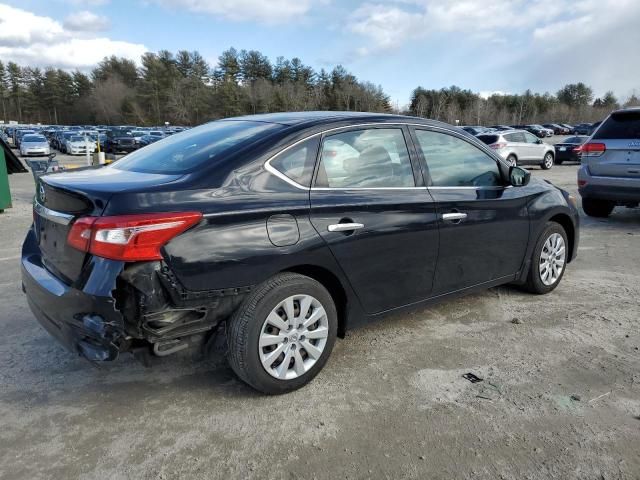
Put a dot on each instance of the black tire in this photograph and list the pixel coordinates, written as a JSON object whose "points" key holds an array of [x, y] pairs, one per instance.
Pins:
{"points": [[547, 161], [558, 162], [246, 325], [512, 160], [597, 208], [534, 283]]}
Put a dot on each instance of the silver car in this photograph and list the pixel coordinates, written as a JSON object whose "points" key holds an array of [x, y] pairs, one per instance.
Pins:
{"points": [[36, 145], [610, 171], [520, 148]]}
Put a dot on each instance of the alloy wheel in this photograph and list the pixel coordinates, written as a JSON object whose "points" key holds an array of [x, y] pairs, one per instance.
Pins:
{"points": [[548, 161], [552, 259], [293, 337]]}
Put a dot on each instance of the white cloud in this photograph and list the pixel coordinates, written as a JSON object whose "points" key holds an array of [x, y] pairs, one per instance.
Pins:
{"points": [[266, 11], [85, 21], [34, 40], [386, 27]]}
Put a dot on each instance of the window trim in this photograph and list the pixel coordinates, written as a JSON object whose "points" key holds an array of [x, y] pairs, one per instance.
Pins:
{"points": [[271, 169], [483, 148], [414, 153]]}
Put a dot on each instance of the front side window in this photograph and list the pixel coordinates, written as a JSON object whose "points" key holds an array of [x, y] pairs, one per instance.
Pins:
{"points": [[453, 162], [298, 161], [370, 158]]}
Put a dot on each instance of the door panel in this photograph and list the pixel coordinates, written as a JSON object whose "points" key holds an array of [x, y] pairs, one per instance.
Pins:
{"points": [[365, 177], [488, 244], [391, 260], [484, 226]]}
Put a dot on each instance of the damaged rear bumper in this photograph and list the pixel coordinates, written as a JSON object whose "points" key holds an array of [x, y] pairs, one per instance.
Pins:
{"points": [[85, 324]]}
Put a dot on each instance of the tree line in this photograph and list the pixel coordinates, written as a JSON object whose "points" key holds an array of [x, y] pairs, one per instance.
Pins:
{"points": [[573, 103], [180, 88], [184, 89]]}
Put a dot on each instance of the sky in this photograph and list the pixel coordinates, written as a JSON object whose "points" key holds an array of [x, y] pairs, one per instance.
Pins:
{"points": [[484, 45]]}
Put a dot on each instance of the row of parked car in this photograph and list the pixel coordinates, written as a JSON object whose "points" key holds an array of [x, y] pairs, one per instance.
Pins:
{"points": [[540, 131], [76, 140]]}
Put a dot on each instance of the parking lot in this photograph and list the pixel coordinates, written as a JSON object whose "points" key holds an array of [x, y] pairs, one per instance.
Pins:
{"points": [[560, 394]]}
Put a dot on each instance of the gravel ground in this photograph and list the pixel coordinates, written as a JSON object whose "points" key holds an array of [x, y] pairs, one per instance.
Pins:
{"points": [[560, 396]]}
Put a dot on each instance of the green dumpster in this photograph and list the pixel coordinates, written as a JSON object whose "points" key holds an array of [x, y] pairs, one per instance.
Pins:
{"points": [[5, 193]]}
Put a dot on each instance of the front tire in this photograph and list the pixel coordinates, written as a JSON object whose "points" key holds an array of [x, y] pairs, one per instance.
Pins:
{"points": [[548, 260], [597, 208], [283, 333], [547, 162]]}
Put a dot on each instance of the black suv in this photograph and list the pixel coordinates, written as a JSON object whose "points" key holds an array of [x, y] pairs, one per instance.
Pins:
{"points": [[275, 234], [120, 140]]}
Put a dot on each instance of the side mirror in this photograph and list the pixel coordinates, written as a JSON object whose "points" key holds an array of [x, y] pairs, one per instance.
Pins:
{"points": [[519, 177]]}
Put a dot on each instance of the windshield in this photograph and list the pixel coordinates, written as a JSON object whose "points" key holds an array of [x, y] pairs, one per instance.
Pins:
{"points": [[33, 139], [488, 139], [77, 138], [184, 152]]}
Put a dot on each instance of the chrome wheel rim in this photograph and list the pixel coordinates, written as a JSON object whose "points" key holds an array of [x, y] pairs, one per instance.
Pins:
{"points": [[513, 162], [293, 337], [548, 160], [552, 259]]}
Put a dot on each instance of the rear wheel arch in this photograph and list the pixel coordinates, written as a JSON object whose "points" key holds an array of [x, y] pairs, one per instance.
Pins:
{"points": [[333, 285]]}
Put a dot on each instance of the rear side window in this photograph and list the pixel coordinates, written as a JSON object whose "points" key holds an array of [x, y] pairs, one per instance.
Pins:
{"points": [[185, 152], [515, 137], [488, 139], [453, 162], [620, 125], [298, 161], [371, 158]]}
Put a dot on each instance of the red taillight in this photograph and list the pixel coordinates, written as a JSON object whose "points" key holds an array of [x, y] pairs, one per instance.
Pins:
{"points": [[582, 183], [498, 146], [591, 149], [129, 237]]}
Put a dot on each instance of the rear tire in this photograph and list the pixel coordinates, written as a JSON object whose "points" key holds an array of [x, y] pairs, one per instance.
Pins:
{"points": [[558, 162], [550, 253], [547, 162], [597, 208], [256, 323]]}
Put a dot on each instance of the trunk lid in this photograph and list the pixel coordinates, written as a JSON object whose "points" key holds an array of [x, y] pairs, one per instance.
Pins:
{"points": [[63, 197], [620, 159]]}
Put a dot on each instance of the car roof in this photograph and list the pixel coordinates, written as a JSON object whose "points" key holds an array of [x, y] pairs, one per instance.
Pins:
{"points": [[329, 117]]}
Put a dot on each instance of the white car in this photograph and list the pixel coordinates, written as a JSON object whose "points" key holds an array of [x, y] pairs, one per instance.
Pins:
{"points": [[78, 145], [36, 145]]}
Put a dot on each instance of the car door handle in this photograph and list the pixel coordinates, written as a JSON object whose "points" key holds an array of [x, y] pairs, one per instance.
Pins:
{"points": [[345, 227], [452, 217]]}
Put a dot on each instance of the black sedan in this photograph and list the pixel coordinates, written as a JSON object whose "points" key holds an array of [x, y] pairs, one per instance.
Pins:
{"points": [[272, 235], [566, 150]]}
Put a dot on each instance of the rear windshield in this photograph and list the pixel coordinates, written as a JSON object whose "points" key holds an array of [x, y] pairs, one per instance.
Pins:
{"points": [[575, 140], [184, 152], [620, 125], [488, 139]]}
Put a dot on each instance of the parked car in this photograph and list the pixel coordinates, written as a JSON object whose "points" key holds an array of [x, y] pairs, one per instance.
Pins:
{"points": [[568, 127], [582, 129], [148, 140], [518, 147], [120, 140], [500, 127], [538, 130], [255, 227], [34, 145], [567, 150], [21, 133], [475, 130], [556, 128], [610, 171], [79, 144]]}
